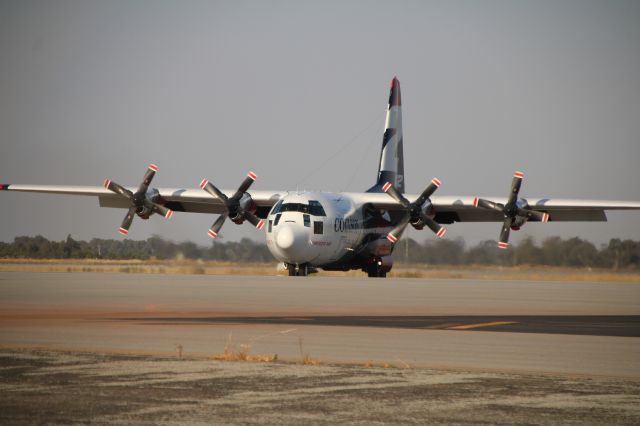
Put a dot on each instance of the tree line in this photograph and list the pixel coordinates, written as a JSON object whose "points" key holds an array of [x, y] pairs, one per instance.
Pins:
{"points": [[553, 251]]}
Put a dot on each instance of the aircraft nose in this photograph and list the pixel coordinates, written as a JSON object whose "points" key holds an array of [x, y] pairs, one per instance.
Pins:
{"points": [[292, 241], [286, 238]]}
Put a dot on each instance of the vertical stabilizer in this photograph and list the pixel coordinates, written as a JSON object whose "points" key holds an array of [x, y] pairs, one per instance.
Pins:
{"points": [[391, 167]]}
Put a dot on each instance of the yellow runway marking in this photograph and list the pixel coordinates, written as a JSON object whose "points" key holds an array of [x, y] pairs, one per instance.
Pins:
{"points": [[484, 324]]}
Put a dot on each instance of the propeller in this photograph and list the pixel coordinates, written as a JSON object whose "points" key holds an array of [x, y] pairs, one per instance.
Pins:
{"points": [[140, 203], [237, 206], [416, 214], [515, 212]]}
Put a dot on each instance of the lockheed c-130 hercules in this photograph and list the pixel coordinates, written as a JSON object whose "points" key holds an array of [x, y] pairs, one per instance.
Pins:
{"points": [[339, 231]]}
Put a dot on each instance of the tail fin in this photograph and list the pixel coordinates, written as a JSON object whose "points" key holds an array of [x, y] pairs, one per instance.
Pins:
{"points": [[391, 168]]}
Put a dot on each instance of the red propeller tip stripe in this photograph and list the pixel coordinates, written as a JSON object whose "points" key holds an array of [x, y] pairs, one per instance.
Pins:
{"points": [[252, 175], [392, 238], [212, 234], [386, 186], [260, 224], [436, 182], [203, 183], [106, 183], [545, 217], [169, 214], [441, 232], [153, 167], [475, 202], [518, 175], [123, 231], [503, 245]]}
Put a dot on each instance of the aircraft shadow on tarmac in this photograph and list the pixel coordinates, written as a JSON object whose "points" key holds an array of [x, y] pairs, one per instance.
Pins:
{"points": [[601, 325]]}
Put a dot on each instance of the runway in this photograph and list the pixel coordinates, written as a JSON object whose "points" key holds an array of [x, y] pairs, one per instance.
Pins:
{"points": [[549, 327], [596, 325]]}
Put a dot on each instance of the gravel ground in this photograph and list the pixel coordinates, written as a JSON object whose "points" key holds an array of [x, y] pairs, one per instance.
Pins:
{"points": [[65, 387]]}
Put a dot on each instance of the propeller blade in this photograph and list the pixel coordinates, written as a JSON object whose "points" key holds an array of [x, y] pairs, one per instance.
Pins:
{"points": [[534, 214], [515, 187], [393, 192], [208, 186], [435, 184], [126, 223], [246, 183], [396, 232], [148, 177], [159, 209], [215, 228], [118, 189], [486, 204], [254, 220], [504, 233], [438, 229]]}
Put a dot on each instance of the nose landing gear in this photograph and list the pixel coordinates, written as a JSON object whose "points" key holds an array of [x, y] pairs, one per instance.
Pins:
{"points": [[298, 270]]}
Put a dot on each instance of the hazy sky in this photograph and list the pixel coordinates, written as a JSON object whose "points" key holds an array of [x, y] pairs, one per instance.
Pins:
{"points": [[96, 89]]}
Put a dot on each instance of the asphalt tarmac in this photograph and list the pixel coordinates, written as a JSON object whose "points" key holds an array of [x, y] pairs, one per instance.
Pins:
{"points": [[590, 325], [581, 328]]}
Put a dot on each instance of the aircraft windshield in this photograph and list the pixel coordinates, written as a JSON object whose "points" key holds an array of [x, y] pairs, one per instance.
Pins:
{"points": [[313, 208]]}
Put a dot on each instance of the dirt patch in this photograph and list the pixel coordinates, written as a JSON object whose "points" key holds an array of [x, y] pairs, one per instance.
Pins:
{"points": [[64, 387]]}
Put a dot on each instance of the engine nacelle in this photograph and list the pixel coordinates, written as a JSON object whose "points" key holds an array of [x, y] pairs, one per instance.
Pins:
{"points": [[417, 217], [518, 221], [244, 204], [143, 211]]}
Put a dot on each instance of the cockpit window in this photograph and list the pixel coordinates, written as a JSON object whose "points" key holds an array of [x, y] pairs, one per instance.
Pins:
{"points": [[276, 208], [295, 207], [315, 208]]}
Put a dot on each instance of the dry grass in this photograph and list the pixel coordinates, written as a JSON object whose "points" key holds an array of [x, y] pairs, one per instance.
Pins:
{"points": [[199, 267], [242, 352]]}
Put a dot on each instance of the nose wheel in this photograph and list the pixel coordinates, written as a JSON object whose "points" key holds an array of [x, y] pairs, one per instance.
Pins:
{"points": [[298, 270]]}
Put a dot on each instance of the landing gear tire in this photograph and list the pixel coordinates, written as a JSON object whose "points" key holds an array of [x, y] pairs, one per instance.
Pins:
{"points": [[298, 270], [374, 271]]}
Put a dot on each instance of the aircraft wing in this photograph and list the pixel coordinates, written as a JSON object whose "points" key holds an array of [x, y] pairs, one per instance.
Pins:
{"points": [[450, 209], [177, 199], [461, 209]]}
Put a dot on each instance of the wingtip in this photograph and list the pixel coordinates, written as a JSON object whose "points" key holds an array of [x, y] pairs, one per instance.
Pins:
{"points": [[4, 186]]}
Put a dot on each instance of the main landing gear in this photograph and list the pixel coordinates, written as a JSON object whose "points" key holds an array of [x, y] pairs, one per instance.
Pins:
{"points": [[298, 270], [374, 271], [377, 268]]}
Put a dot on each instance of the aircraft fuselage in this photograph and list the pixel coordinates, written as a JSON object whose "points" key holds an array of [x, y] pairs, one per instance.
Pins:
{"points": [[327, 230]]}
